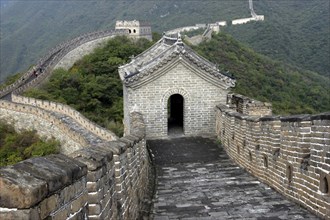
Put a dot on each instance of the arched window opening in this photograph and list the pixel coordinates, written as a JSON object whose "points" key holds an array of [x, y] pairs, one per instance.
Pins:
{"points": [[324, 185], [175, 109], [289, 173], [129, 31], [265, 161], [134, 31]]}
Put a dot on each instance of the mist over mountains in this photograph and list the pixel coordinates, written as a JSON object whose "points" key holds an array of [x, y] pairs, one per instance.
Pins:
{"points": [[294, 31]]}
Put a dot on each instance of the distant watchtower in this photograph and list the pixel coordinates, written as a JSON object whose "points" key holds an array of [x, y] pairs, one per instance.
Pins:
{"points": [[136, 29]]}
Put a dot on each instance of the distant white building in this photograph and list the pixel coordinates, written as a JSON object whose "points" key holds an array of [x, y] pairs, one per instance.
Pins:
{"points": [[254, 16], [246, 20]]}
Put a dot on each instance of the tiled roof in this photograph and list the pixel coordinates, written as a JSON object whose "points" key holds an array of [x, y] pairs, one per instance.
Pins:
{"points": [[163, 52]]}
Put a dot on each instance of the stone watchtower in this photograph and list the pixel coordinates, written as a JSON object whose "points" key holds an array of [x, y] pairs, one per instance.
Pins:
{"points": [[136, 29], [174, 88]]}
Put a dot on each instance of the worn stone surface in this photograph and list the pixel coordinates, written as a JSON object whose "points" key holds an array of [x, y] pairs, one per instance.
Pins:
{"points": [[75, 126], [26, 214], [19, 189], [44, 128], [197, 180]]}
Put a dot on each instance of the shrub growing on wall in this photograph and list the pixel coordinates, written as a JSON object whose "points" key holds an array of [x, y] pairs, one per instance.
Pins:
{"points": [[15, 147]]}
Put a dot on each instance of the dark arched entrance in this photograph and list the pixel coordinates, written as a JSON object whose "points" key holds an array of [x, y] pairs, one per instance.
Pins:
{"points": [[175, 114]]}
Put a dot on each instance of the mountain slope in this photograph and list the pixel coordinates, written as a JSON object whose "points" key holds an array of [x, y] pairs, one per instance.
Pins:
{"points": [[296, 32], [29, 28], [289, 89]]}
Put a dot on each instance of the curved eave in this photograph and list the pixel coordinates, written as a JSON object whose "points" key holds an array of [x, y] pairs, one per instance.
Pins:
{"points": [[201, 69]]}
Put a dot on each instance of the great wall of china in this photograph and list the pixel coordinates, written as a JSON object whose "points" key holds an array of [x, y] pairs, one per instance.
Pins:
{"points": [[101, 176]]}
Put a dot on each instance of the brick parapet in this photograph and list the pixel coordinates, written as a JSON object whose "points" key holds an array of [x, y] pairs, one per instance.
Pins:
{"points": [[291, 154], [46, 116], [103, 181], [37, 188], [248, 106], [67, 110]]}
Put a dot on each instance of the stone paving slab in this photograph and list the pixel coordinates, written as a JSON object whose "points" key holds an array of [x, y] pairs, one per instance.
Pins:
{"points": [[196, 180]]}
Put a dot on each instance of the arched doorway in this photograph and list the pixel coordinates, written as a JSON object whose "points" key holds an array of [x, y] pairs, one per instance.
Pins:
{"points": [[175, 109]]}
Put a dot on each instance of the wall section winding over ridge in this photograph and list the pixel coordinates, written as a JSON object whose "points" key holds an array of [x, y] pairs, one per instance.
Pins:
{"points": [[290, 154], [66, 53], [54, 56], [47, 125], [67, 110]]}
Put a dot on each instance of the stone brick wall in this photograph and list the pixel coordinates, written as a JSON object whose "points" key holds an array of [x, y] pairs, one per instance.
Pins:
{"points": [[248, 106], [52, 187], [291, 154], [109, 180], [70, 58], [25, 117], [67, 110], [200, 98]]}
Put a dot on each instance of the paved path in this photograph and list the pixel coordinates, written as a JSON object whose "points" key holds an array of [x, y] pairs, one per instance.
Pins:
{"points": [[197, 180]]}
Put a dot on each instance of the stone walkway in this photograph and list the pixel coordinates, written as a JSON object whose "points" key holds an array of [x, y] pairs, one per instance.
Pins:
{"points": [[75, 126], [196, 180]]}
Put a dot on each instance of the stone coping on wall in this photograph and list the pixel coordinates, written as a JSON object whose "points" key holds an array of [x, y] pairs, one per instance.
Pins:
{"points": [[248, 106], [289, 153], [248, 100], [56, 185], [45, 115], [67, 110], [292, 118], [26, 183]]}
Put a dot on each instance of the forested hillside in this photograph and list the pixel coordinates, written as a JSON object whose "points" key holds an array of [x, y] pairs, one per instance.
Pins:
{"points": [[291, 90], [92, 85], [294, 31]]}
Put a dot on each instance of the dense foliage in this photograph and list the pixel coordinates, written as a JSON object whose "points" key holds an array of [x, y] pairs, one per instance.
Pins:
{"points": [[15, 147], [289, 89], [293, 30], [92, 86]]}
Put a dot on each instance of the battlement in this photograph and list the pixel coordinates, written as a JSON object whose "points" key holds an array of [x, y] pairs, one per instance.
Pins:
{"points": [[248, 106], [290, 154], [106, 181]]}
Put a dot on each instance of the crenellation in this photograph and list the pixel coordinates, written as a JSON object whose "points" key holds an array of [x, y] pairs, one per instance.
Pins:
{"points": [[288, 153], [95, 182], [67, 110]]}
